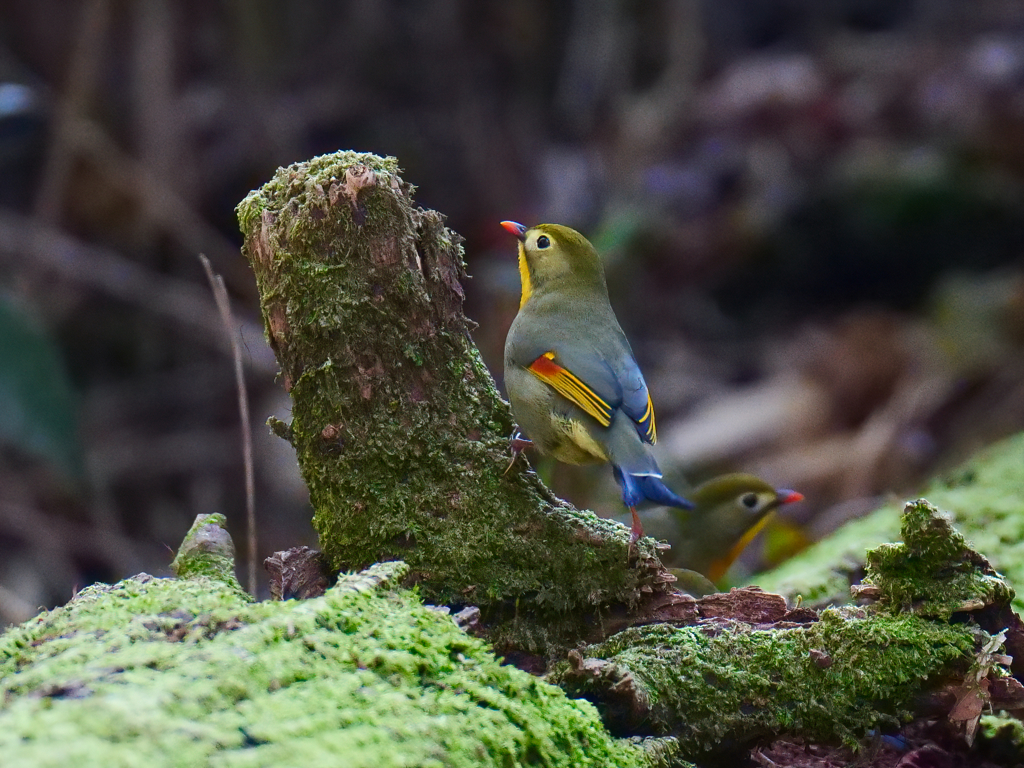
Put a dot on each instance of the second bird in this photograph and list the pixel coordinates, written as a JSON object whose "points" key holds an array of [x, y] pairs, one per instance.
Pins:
{"points": [[575, 387]]}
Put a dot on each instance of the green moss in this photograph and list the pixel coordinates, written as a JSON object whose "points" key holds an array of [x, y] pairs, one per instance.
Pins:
{"points": [[160, 672], [722, 690], [662, 752], [933, 572], [983, 498], [207, 551], [1002, 738]]}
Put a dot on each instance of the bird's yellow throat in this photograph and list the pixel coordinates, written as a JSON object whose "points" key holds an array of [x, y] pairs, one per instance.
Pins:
{"points": [[524, 277], [721, 565]]}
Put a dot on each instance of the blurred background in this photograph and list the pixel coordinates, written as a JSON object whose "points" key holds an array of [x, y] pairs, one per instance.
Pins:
{"points": [[812, 213]]}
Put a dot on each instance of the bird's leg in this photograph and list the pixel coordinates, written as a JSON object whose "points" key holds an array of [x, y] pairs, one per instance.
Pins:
{"points": [[636, 531], [516, 444]]}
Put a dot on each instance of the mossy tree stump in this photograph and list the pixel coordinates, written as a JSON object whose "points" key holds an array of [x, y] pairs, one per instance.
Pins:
{"points": [[399, 430]]}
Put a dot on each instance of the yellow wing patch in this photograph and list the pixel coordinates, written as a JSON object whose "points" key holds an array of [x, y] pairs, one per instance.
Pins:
{"points": [[571, 387], [646, 422]]}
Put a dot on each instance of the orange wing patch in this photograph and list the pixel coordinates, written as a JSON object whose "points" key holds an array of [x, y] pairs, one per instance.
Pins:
{"points": [[571, 387]]}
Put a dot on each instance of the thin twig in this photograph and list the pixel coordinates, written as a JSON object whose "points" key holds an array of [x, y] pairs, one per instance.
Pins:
{"points": [[220, 295]]}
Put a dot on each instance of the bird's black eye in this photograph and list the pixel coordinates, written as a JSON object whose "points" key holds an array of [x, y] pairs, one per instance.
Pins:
{"points": [[543, 241], [749, 500]]}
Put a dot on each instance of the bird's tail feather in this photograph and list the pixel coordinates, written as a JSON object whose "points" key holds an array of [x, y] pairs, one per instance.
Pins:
{"points": [[637, 488]]}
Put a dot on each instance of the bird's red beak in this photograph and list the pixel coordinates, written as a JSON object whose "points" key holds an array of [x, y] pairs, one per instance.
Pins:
{"points": [[515, 228], [787, 496]]}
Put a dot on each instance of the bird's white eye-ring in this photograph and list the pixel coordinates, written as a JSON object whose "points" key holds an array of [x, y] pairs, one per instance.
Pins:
{"points": [[749, 500], [543, 241]]}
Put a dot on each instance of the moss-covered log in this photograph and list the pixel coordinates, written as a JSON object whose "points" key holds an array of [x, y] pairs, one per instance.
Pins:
{"points": [[400, 433], [191, 672], [167, 672], [722, 686]]}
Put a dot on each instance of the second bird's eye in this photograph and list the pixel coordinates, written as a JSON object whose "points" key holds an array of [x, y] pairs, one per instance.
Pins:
{"points": [[543, 242], [749, 500]]}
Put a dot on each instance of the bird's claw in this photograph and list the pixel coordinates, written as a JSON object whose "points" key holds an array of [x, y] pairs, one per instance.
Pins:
{"points": [[516, 444]]}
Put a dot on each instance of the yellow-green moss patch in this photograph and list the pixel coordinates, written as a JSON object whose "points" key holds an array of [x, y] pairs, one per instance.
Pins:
{"points": [[161, 672], [724, 689], [983, 498], [933, 572]]}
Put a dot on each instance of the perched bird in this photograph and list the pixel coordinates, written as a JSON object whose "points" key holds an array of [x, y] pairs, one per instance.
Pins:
{"points": [[729, 511], [574, 385]]}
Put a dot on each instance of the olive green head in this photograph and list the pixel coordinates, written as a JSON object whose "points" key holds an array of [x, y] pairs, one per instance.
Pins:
{"points": [[734, 508], [741, 497], [554, 256]]}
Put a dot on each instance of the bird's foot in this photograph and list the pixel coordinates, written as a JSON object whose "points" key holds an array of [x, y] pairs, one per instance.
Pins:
{"points": [[516, 445]]}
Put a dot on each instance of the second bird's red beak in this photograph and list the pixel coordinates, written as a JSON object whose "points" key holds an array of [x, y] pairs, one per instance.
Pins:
{"points": [[787, 496], [515, 228]]}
